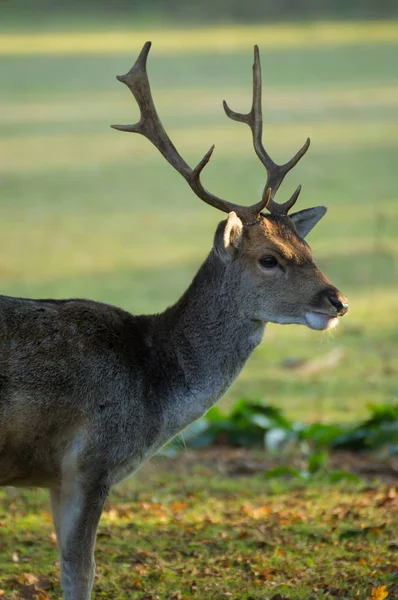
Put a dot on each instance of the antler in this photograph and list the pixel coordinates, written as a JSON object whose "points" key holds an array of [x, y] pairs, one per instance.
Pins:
{"points": [[275, 173], [151, 127]]}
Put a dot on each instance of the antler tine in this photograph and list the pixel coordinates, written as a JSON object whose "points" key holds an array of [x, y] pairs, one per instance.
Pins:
{"points": [[151, 127], [275, 173]]}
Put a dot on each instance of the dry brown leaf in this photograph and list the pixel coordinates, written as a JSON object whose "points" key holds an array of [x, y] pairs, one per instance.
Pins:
{"points": [[28, 579], [256, 512], [41, 595]]}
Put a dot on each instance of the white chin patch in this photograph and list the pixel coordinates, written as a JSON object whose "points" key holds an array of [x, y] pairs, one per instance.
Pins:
{"points": [[319, 321]]}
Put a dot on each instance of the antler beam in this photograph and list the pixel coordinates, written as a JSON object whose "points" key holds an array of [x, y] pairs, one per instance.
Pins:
{"points": [[151, 127], [275, 173]]}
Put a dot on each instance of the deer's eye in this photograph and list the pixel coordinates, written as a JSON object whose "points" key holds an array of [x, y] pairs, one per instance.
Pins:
{"points": [[268, 262]]}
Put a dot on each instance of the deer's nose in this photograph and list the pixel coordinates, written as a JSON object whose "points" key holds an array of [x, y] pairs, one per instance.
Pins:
{"points": [[339, 302]]}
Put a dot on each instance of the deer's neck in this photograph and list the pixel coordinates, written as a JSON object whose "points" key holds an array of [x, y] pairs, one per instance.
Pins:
{"points": [[206, 340]]}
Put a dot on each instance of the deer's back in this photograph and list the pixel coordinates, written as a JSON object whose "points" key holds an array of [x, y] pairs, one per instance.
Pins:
{"points": [[68, 367]]}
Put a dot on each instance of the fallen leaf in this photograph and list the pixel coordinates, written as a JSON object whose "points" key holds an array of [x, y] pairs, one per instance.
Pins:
{"points": [[389, 497], [28, 579], [179, 506], [41, 595], [256, 512], [379, 593]]}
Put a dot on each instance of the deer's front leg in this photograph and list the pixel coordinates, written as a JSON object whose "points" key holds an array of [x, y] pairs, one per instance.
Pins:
{"points": [[80, 509]]}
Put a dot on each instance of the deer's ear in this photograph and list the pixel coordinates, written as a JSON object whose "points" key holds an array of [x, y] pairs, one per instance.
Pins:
{"points": [[306, 219], [228, 236]]}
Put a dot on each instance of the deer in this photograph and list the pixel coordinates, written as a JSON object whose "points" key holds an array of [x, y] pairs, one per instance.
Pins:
{"points": [[89, 392]]}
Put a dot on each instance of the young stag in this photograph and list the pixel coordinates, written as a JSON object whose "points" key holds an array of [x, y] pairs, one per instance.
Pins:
{"points": [[88, 391]]}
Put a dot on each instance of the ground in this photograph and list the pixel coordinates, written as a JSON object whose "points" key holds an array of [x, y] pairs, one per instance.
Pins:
{"points": [[209, 526]]}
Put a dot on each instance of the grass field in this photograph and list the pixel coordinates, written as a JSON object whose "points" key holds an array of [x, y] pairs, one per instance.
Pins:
{"points": [[90, 212]]}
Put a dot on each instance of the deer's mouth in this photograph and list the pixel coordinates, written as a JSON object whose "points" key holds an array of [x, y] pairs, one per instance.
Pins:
{"points": [[320, 321]]}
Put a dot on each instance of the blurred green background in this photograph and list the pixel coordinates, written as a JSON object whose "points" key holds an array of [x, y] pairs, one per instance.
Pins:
{"points": [[90, 212]]}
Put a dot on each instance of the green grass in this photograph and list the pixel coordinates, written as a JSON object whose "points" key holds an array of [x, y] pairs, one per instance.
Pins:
{"points": [[49, 39], [182, 531]]}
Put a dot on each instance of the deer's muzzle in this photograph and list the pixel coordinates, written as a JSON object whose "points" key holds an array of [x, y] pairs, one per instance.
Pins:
{"points": [[339, 303]]}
